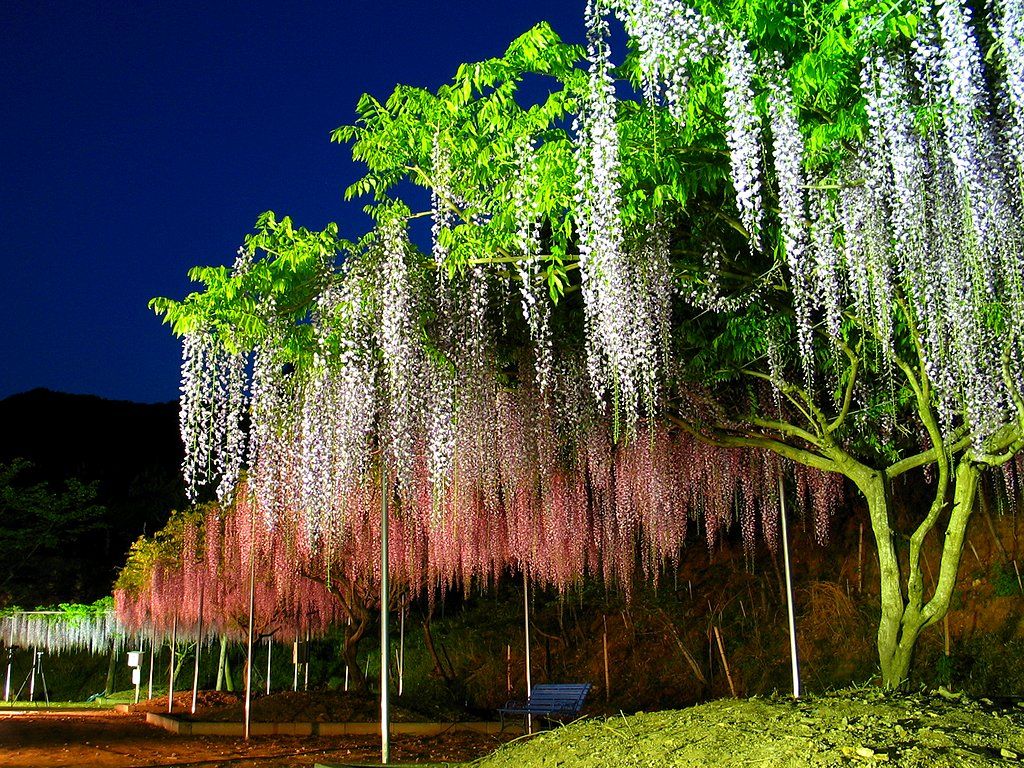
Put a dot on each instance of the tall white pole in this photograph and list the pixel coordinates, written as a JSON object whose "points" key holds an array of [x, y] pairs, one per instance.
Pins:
{"points": [[170, 674], [152, 654], [199, 645], [526, 627], [385, 736], [305, 666], [789, 596], [270, 644], [10, 662], [252, 610], [401, 651]]}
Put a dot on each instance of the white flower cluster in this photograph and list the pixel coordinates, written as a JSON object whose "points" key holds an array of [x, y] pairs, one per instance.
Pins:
{"points": [[788, 151], [621, 350], [743, 136], [210, 413], [398, 340], [1009, 36], [669, 36], [533, 284]]}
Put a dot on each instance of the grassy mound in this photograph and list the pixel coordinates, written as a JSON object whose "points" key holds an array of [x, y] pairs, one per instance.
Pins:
{"points": [[840, 729]]}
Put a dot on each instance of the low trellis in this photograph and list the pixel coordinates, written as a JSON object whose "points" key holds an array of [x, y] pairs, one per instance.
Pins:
{"points": [[92, 628]]}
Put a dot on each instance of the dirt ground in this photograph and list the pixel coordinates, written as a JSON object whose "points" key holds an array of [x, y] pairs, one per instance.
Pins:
{"points": [[104, 739]]}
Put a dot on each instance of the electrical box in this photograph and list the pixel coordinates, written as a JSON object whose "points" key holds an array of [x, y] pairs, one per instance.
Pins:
{"points": [[135, 659], [136, 675]]}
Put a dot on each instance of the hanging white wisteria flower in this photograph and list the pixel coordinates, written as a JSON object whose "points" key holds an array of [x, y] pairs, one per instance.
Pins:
{"points": [[398, 338], [532, 284], [210, 413], [743, 136], [788, 156], [621, 352], [1009, 35], [669, 36]]}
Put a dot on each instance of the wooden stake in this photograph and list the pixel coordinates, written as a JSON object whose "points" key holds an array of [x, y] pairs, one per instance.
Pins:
{"points": [[1019, 582], [725, 663], [975, 552]]}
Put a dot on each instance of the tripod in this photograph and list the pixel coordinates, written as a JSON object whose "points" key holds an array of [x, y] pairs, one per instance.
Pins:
{"points": [[30, 679]]}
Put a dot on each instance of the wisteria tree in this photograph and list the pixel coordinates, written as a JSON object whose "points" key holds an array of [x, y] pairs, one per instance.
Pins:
{"points": [[792, 234]]}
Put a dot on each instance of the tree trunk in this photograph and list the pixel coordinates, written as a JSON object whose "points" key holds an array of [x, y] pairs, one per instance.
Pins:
{"points": [[905, 616], [222, 662], [229, 680], [111, 668], [350, 650]]}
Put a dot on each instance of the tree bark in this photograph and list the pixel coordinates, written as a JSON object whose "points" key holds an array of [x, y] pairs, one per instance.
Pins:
{"points": [[222, 662], [111, 668], [905, 616]]}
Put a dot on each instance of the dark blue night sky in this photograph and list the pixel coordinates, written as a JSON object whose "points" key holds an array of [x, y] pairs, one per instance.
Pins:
{"points": [[142, 138]]}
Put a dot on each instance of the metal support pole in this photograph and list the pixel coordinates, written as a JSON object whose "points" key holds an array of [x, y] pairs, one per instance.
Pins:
{"points": [[170, 674], [789, 597], [270, 645], [526, 634], [152, 654], [305, 666], [401, 651], [199, 645], [10, 662], [252, 610], [385, 735], [32, 685]]}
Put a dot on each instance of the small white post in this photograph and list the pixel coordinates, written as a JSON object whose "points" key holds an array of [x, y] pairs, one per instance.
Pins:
{"points": [[789, 596], [401, 651], [152, 646], [252, 611], [32, 685], [526, 627], [199, 645], [305, 665], [385, 734], [170, 674], [270, 644], [10, 662]]}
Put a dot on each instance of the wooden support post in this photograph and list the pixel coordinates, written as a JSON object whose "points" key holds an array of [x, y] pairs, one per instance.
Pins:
{"points": [[725, 663]]}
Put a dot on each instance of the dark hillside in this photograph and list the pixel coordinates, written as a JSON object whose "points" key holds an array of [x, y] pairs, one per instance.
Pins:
{"points": [[131, 452]]}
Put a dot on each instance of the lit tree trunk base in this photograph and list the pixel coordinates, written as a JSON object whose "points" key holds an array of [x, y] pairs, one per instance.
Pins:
{"points": [[905, 615]]}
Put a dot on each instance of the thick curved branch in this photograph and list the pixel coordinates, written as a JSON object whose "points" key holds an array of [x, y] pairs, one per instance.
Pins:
{"points": [[726, 440]]}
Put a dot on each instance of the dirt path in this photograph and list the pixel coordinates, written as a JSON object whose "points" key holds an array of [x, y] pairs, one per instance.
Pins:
{"points": [[114, 740]]}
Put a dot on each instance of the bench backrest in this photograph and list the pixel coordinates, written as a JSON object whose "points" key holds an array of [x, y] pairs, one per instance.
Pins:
{"points": [[568, 696]]}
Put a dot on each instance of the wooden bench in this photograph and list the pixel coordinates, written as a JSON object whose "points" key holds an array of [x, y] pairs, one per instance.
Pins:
{"points": [[551, 701]]}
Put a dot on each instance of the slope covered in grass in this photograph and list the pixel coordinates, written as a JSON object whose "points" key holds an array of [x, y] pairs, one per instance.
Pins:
{"points": [[840, 729]]}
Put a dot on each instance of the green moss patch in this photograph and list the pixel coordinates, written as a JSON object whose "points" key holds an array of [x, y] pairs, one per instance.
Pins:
{"points": [[848, 728]]}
